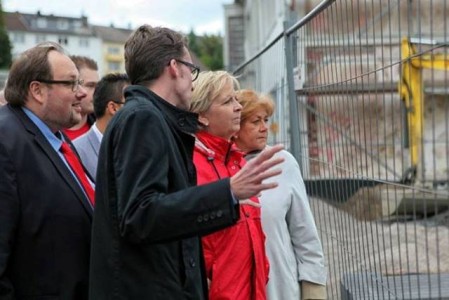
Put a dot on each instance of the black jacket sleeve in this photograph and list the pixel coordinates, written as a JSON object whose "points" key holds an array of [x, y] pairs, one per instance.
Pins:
{"points": [[154, 199]]}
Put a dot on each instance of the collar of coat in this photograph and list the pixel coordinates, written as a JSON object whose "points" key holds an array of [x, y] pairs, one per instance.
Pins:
{"points": [[178, 118], [250, 155], [215, 147]]}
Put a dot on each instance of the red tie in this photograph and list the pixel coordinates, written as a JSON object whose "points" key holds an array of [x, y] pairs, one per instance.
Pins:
{"points": [[75, 164]]}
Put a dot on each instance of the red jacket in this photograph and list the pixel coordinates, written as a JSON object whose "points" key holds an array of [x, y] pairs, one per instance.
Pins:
{"points": [[235, 257]]}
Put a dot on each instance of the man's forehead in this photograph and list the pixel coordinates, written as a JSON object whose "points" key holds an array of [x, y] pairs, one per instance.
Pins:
{"points": [[89, 74], [61, 64]]}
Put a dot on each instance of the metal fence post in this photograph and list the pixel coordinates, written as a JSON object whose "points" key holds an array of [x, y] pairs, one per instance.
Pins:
{"points": [[295, 130]]}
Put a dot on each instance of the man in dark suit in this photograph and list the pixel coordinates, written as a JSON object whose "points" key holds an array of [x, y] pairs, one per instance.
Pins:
{"points": [[150, 214], [45, 199]]}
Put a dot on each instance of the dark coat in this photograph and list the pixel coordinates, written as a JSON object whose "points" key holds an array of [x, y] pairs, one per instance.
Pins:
{"points": [[149, 213], [45, 218]]}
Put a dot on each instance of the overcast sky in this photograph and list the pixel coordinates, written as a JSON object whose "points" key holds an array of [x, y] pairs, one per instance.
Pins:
{"points": [[204, 16]]}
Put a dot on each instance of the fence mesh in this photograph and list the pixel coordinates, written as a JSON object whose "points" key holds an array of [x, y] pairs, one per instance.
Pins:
{"points": [[361, 86]]}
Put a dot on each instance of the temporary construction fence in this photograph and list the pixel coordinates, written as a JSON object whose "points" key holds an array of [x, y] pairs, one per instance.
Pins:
{"points": [[362, 101]]}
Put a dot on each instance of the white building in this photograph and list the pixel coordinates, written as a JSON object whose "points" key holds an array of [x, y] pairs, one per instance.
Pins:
{"points": [[251, 24], [74, 34]]}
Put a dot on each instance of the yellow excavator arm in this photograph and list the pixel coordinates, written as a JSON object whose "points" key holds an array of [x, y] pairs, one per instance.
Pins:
{"points": [[411, 91]]}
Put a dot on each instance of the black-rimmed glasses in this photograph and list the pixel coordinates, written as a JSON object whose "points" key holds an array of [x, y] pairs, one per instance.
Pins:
{"points": [[75, 84], [195, 70]]}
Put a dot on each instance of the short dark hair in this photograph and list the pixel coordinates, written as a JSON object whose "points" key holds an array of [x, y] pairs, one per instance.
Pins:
{"points": [[109, 88], [31, 65], [84, 62], [149, 50]]}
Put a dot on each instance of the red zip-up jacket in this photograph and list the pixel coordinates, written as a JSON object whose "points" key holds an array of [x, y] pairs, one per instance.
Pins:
{"points": [[235, 258]]}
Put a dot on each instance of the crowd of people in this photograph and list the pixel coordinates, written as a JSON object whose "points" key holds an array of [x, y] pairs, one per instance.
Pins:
{"points": [[154, 184]]}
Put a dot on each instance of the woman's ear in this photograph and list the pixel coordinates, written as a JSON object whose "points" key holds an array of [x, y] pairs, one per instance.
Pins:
{"points": [[203, 120]]}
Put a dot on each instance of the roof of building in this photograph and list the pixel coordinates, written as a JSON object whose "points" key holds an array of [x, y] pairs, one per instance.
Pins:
{"points": [[14, 21], [39, 23], [112, 34]]}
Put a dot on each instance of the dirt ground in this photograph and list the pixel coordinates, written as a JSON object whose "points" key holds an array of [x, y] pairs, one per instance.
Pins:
{"points": [[379, 247]]}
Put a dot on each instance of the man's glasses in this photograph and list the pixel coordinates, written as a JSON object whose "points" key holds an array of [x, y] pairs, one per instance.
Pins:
{"points": [[194, 69], [74, 84]]}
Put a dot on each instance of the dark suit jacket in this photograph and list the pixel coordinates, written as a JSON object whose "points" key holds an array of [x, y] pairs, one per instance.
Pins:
{"points": [[45, 219], [149, 214]]}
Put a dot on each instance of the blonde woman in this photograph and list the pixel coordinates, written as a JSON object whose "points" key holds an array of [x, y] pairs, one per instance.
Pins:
{"points": [[236, 264]]}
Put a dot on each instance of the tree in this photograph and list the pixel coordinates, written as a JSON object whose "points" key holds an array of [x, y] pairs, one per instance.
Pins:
{"points": [[193, 42], [211, 48], [208, 49], [5, 44]]}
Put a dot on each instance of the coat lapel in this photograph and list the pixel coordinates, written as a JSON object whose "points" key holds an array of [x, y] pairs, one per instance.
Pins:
{"points": [[55, 159], [94, 141]]}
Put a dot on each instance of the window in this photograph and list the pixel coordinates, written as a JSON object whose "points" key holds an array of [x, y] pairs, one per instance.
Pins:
{"points": [[19, 37], [40, 38], [41, 22], [77, 24], [113, 50], [63, 40], [113, 66], [63, 24], [84, 42]]}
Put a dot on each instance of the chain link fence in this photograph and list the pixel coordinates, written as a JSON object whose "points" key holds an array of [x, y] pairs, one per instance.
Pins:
{"points": [[362, 101]]}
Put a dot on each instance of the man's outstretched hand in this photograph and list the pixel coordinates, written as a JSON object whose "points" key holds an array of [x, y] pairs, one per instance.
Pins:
{"points": [[248, 181]]}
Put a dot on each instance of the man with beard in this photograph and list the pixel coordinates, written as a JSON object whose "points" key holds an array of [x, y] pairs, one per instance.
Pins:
{"points": [[46, 199]]}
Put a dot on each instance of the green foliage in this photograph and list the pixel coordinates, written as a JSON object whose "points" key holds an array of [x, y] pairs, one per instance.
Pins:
{"points": [[193, 42], [5, 44], [208, 49]]}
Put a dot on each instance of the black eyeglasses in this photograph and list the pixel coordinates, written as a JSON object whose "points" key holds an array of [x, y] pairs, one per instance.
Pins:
{"points": [[195, 70], [75, 84]]}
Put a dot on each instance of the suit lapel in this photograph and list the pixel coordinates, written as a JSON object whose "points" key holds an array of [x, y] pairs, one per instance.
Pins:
{"points": [[55, 159], [94, 141]]}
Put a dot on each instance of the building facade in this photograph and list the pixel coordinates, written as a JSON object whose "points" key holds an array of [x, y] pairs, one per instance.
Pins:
{"points": [[101, 43], [112, 48], [251, 24]]}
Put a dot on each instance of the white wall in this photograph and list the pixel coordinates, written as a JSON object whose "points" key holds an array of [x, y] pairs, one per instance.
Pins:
{"points": [[22, 41]]}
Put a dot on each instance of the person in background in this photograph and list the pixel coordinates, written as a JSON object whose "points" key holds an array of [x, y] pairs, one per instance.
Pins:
{"points": [[292, 243], [2, 98], [89, 74], [149, 213], [236, 264], [108, 99], [2, 94], [46, 199]]}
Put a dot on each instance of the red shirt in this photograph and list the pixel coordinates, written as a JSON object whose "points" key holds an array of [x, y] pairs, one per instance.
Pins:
{"points": [[74, 133], [235, 257]]}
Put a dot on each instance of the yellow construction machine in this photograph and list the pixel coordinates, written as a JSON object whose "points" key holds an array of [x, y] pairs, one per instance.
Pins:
{"points": [[411, 91]]}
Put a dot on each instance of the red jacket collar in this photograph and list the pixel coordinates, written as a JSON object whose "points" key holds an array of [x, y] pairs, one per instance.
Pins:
{"points": [[215, 147]]}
